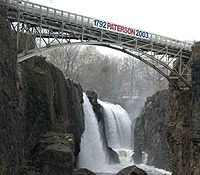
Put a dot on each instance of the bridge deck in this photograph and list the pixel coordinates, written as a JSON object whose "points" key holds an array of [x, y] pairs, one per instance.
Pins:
{"points": [[55, 16]]}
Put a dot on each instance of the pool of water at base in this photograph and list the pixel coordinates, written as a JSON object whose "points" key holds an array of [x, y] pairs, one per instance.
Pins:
{"points": [[115, 168]]}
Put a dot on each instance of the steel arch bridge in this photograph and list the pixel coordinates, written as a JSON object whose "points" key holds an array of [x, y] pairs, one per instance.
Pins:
{"points": [[43, 28]]}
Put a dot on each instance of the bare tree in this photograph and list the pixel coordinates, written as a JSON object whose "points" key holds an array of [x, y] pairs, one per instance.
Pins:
{"points": [[64, 58], [106, 74]]}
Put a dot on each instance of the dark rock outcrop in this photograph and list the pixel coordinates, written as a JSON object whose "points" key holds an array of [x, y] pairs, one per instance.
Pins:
{"points": [[150, 135], [55, 153], [177, 129], [132, 170], [195, 120], [113, 156], [137, 156], [92, 95], [50, 103], [183, 121], [11, 137], [83, 171]]}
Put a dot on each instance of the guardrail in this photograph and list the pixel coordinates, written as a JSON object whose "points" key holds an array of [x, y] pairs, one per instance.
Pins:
{"points": [[60, 15], [49, 12]]}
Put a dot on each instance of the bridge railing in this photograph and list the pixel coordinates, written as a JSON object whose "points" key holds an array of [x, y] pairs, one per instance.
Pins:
{"points": [[44, 11], [63, 16], [171, 42]]}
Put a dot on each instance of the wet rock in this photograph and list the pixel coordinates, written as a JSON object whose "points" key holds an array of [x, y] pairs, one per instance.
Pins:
{"points": [[92, 95], [113, 156], [132, 170], [150, 132], [54, 154], [83, 171], [137, 156]]}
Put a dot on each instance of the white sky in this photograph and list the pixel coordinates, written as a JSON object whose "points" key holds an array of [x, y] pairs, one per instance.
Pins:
{"points": [[178, 19]]}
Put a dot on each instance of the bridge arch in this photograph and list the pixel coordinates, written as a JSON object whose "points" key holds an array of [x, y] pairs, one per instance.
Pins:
{"points": [[161, 67]]}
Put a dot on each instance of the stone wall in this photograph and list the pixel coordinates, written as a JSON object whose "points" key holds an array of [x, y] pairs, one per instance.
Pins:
{"points": [[149, 133]]}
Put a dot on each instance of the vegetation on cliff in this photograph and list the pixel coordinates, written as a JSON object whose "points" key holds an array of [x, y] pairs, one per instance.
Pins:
{"points": [[149, 133]]}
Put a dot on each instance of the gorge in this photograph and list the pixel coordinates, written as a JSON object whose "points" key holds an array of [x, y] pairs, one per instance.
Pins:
{"points": [[49, 127]]}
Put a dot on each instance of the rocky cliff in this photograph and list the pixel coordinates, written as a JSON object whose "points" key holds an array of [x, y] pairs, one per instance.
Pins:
{"points": [[183, 121], [195, 120], [53, 116], [150, 134], [181, 124], [40, 112], [177, 128], [11, 137]]}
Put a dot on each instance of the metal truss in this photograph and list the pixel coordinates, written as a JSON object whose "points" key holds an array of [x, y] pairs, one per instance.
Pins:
{"points": [[40, 28]]}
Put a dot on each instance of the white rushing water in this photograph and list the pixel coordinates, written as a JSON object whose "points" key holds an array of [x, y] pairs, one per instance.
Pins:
{"points": [[117, 126], [92, 154], [118, 134]]}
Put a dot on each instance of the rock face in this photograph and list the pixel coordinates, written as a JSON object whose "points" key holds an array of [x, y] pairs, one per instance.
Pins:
{"points": [[11, 137], [83, 171], [177, 128], [112, 155], [50, 104], [55, 152], [183, 121], [92, 95], [150, 135], [195, 120], [132, 170], [138, 155], [41, 115]]}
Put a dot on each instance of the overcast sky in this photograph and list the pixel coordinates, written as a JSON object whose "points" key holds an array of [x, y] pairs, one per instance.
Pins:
{"points": [[179, 19]]}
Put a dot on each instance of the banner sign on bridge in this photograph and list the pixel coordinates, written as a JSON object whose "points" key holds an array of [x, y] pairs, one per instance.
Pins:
{"points": [[121, 29]]}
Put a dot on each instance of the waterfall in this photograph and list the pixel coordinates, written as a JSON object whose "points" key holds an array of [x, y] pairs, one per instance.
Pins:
{"points": [[118, 135], [117, 126], [92, 154]]}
